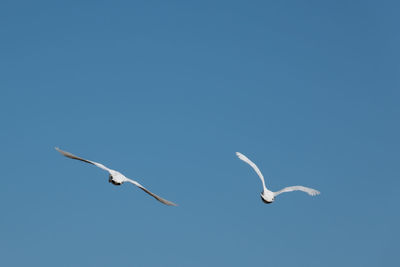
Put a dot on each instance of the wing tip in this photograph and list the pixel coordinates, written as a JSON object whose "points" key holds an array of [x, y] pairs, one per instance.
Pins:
{"points": [[61, 151], [58, 149], [239, 155], [315, 193], [167, 202]]}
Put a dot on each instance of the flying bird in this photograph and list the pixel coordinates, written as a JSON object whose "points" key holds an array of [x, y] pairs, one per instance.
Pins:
{"points": [[115, 177], [267, 196]]}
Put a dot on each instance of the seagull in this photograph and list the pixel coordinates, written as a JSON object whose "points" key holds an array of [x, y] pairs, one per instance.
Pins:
{"points": [[268, 196], [115, 177]]}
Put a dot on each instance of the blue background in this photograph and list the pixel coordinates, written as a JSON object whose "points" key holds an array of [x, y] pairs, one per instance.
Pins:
{"points": [[166, 92]]}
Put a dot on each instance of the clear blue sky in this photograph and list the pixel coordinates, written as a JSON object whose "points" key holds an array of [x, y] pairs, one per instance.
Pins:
{"points": [[167, 92]]}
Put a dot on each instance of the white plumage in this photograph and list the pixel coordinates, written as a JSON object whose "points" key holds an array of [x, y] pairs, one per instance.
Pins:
{"points": [[268, 196], [116, 177]]}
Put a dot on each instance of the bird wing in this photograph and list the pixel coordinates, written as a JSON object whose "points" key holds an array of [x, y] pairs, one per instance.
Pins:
{"points": [[310, 191], [71, 156], [166, 202], [253, 165]]}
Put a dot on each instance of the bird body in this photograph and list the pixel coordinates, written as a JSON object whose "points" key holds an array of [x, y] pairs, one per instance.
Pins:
{"points": [[268, 196], [115, 177]]}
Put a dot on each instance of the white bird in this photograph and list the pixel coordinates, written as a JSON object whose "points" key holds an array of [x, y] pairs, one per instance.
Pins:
{"points": [[116, 177], [268, 196]]}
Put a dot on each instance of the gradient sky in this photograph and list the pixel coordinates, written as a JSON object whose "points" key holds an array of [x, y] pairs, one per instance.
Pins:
{"points": [[166, 92]]}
